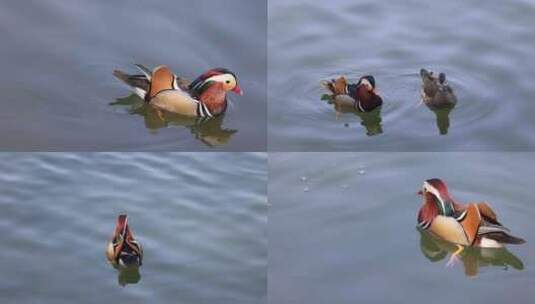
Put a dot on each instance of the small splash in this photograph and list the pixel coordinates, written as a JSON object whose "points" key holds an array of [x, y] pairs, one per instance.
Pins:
{"points": [[361, 170], [304, 179], [345, 186], [306, 189]]}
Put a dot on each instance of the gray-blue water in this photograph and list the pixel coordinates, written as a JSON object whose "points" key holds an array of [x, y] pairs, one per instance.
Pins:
{"points": [[485, 48], [200, 217], [342, 228], [58, 91]]}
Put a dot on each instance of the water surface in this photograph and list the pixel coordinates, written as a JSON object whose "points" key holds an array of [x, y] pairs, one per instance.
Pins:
{"points": [[485, 51], [342, 228], [57, 58], [200, 218]]}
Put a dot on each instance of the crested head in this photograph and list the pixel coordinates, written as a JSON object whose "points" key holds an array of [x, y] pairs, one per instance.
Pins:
{"points": [[441, 78], [225, 77], [368, 81], [435, 191]]}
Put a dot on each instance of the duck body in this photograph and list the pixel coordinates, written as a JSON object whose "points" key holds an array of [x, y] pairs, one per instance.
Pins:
{"points": [[206, 96], [436, 91], [123, 249], [362, 95], [473, 224]]}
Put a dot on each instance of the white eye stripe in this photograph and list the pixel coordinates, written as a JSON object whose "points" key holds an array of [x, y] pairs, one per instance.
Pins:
{"points": [[365, 81], [222, 78]]}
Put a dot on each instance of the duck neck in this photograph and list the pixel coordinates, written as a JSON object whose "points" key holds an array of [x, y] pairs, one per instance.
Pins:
{"points": [[214, 97]]}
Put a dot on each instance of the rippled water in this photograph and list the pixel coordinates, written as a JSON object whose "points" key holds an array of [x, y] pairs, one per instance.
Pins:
{"points": [[59, 93], [201, 219], [342, 228], [485, 50]]}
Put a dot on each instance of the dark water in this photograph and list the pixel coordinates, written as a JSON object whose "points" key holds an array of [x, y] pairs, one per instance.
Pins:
{"points": [[57, 59], [201, 219], [342, 228], [485, 49]]}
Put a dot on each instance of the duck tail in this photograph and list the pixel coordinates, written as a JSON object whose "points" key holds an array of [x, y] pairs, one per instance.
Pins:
{"points": [[328, 85], [139, 83], [505, 238], [120, 75]]}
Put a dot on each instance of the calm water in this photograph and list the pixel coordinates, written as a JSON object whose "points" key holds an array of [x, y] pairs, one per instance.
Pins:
{"points": [[58, 91], [202, 221], [485, 50], [342, 229]]}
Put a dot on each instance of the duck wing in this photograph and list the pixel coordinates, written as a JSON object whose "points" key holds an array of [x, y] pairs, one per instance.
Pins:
{"points": [[487, 213], [498, 233]]}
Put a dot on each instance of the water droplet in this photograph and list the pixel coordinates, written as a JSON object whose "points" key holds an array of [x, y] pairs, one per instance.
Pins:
{"points": [[362, 171], [304, 178], [306, 189]]}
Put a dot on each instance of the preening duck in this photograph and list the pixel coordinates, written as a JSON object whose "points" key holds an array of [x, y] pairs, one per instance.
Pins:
{"points": [[206, 96], [123, 250]]}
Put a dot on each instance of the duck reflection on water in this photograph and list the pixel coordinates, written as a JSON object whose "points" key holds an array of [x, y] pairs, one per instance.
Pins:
{"points": [[472, 258], [439, 97], [360, 99], [208, 130]]}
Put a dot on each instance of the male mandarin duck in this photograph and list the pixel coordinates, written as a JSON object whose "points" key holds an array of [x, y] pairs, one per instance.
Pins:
{"points": [[206, 96], [362, 95], [123, 250], [473, 224], [436, 92]]}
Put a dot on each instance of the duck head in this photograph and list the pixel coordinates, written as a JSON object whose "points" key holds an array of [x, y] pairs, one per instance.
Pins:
{"points": [[365, 94], [365, 87], [226, 79], [442, 78], [123, 250], [436, 201]]}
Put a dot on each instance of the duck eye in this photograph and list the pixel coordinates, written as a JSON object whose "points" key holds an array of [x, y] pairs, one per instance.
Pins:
{"points": [[228, 81]]}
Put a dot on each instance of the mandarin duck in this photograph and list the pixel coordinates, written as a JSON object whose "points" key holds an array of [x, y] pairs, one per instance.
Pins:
{"points": [[205, 97], [123, 250], [436, 92], [473, 224], [362, 96]]}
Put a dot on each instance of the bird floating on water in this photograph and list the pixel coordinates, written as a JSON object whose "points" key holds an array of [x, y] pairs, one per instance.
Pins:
{"points": [[361, 95], [123, 250], [472, 224], [436, 91], [206, 96]]}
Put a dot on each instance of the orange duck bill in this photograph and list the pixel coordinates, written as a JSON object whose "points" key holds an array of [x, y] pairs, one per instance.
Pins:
{"points": [[123, 249], [472, 224]]}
